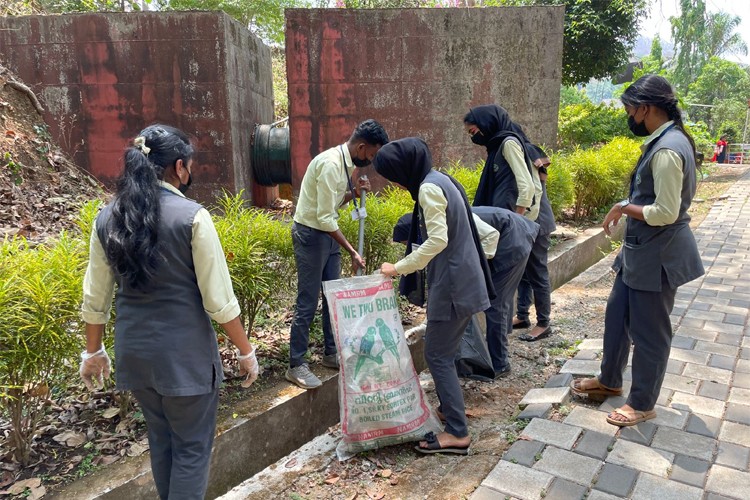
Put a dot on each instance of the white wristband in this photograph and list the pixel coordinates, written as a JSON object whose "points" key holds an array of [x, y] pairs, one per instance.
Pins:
{"points": [[87, 355]]}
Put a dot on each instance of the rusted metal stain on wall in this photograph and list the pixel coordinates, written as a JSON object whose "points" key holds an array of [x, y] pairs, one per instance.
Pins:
{"points": [[104, 77], [418, 71]]}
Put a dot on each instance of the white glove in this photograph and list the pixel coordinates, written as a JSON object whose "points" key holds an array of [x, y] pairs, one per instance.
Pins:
{"points": [[95, 367], [249, 366]]}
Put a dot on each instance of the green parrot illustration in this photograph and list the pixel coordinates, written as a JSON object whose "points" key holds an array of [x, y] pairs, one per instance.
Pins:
{"points": [[365, 348], [387, 337]]}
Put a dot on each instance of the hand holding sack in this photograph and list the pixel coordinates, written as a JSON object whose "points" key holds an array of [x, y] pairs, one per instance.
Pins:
{"points": [[95, 367]]}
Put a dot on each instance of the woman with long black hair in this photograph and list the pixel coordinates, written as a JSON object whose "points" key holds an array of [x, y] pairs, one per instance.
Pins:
{"points": [[658, 255], [458, 276], [162, 251]]}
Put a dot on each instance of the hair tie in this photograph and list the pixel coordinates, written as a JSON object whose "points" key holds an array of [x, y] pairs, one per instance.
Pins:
{"points": [[140, 143]]}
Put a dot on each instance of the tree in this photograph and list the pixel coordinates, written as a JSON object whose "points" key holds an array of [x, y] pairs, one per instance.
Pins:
{"points": [[720, 83], [688, 32], [720, 37]]}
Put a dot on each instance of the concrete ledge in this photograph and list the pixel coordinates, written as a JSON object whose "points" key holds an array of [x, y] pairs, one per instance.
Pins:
{"points": [[280, 419], [570, 258]]}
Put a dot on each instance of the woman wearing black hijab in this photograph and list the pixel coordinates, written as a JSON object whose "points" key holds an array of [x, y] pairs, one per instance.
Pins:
{"points": [[457, 275], [508, 180]]}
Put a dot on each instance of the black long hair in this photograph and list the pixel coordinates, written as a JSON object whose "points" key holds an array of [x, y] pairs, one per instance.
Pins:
{"points": [[132, 246], [655, 90]]}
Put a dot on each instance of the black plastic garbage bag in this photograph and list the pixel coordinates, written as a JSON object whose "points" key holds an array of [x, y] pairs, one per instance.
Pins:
{"points": [[473, 358]]}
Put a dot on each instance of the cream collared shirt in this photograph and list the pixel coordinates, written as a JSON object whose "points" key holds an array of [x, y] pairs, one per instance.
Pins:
{"points": [[434, 206], [666, 167], [211, 273]]}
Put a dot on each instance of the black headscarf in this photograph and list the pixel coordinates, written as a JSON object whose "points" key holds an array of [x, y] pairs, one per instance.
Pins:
{"points": [[495, 125], [407, 162]]}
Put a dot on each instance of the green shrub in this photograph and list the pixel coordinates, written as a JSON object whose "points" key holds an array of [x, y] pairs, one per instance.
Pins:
{"points": [[587, 124], [259, 254], [467, 177], [703, 141], [40, 290], [560, 188]]}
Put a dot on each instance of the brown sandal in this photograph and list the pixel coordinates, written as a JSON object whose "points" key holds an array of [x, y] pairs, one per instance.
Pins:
{"points": [[633, 417], [598, 393]]}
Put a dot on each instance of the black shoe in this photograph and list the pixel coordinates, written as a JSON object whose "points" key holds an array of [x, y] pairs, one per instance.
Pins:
{"points": [[502, 373], [530, 338], [523, 324]]}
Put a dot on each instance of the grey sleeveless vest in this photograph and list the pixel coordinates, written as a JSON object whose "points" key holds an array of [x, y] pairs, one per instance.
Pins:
{"points": [[517, 235], [163, 338], [454, 276], [650, 249]]}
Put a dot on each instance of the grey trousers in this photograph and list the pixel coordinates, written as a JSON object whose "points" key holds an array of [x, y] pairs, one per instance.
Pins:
{"points": [[180, 436], [318, 258], [442, 340], [643, 318], [500, 314], [535, 282]]}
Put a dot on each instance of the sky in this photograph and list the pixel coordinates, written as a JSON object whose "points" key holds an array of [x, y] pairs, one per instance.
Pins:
{"points": [[662, 10]]}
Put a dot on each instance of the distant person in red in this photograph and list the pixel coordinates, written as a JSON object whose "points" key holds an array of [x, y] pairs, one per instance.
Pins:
{"points": [[720, 151]]}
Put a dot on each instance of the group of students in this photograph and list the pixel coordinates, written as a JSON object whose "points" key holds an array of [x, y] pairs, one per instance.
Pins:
{"points": [[163, 253]]}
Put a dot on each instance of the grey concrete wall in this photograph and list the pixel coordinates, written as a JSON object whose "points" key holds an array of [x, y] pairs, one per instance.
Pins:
{"points": [[418, 71]]}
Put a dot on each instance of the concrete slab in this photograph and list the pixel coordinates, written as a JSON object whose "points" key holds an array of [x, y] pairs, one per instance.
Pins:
{"points": [[670, 417], [648, 486], [689, 470], [642, 433], [704, 425], [685, 443], [524, 452], [616, 480], [518, 481], [698, 404], [642, 458], [554, 433], [539, 410], [728, 482], [568, 465], [581, 367], [733, 455], [594, 444], [735, 433], [565, 490], [703, 372], [590, 419], [554, 396]]}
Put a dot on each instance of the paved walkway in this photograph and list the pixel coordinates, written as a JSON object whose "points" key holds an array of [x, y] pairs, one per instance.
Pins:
{"points": [[698, 447]]}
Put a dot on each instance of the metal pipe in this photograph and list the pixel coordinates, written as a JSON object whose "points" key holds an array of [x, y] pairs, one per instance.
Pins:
{"points": [[362, 216]]}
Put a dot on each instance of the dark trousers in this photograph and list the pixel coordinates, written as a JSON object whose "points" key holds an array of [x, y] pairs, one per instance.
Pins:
{"points": [[180, 435], [500, 314], [442, 340], [643, 318], [535, 282], [318, 258]]}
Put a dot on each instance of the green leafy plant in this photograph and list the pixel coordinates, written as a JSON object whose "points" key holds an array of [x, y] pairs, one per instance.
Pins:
{"points": [[560, 187], [39, 295], [587, 124], [467, 177], [13, 167]]}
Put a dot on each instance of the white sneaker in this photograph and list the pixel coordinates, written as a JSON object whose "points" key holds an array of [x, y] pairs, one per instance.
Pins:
{"points": [[303, 377]]}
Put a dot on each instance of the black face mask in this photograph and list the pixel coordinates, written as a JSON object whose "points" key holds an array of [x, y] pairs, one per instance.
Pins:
{"points": [[638, 129], [358, 162], [479, 139], [184, 187]]}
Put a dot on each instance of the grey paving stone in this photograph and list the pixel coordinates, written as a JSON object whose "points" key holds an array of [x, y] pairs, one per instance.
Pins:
{"points": [[524, 452], [593, 344], [714, 348], [565, 490], [713, 390], [600, 495], [616, 480], [675, 366], [642, 458], [517, 480], [745, 353], [689, 356], [485, 493], [686, 443], [538, 410], [689, 470], [739, 413], [665, 397], [704, 425], [613, 402], [698, 404], [720, 361], [700, 306], [733, 339], [735, 433], [704, 315], [568, 465], [594, 444], [642, 433], [682, 342], [670, 417], [729, 482], [696, 332], [741, 380], [554, 433], [590, 419], [680, 383], [740, 303], [733, 455], [648, 486], [581, 367], [714, 496], [739, 395], [703, 372], [554, 395], [586, 354], [735, 319], [559, 380], [742, 366]]}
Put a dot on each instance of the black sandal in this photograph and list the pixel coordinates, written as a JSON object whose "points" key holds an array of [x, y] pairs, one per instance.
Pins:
{"points": [[530, 338], [433, 446]]}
